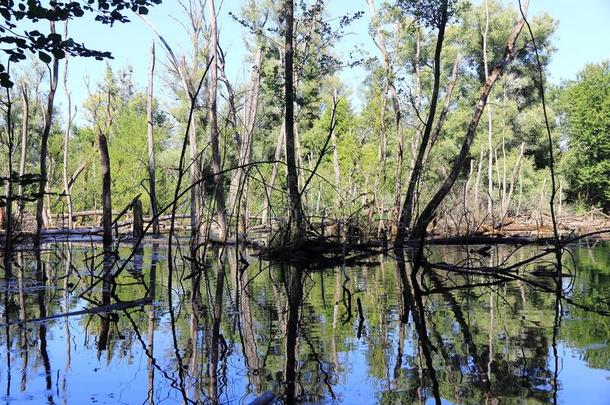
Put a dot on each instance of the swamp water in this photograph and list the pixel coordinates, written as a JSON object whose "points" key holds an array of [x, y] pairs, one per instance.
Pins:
{"points": [[372, 333]]}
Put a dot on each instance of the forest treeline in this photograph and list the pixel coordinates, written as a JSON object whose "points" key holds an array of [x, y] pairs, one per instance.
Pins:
{"points": [[452, 127]]}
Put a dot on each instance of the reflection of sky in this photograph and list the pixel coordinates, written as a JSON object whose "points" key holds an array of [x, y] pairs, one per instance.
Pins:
{"points": [[579, 383], [124, 379]]}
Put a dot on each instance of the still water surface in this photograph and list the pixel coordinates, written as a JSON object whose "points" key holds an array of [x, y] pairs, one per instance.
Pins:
{"points": [[240, 327]]}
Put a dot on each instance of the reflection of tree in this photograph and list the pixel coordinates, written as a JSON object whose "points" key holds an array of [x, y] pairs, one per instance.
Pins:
{"points": [[246, 324], [23, 336], [66, 308], [216, 335], [481, 339], [414, 297], [293, 279], [42, 279], [589, 332], [150, 335]]}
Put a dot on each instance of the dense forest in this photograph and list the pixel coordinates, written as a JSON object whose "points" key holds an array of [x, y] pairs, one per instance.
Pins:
{"points": [[459, 128]]}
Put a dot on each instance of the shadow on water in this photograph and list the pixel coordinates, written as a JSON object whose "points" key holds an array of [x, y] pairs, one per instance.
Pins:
{"points": [[226, 327]]}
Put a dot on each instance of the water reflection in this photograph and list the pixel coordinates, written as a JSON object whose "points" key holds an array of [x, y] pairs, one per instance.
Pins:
{"points": [[230, 328]]}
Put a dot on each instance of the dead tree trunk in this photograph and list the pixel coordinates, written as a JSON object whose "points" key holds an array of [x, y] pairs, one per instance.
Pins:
{"points": [[106, 191], [150, 140], [44, 143], [6, 212], [336, 166], [102, 141], [429, 211], [138, 221], [507, 201], [292, 179], [239, 179], [25, 104], [67, 137], [279, 146], [189, 90], [490, 181], [214, 134]]}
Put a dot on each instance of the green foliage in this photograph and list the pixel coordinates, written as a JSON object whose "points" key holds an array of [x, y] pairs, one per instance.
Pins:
{"points": [[126, 114], [586, 107]]}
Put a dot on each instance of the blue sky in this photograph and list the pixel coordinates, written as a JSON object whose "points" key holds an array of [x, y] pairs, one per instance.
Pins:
{"points": [[583, 36]]}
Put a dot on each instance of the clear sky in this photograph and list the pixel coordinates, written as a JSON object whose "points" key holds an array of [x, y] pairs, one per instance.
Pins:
{"points": [[583, 36]]}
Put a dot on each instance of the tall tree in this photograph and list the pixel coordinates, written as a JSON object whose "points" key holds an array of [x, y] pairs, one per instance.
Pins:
{"points": [[586, 106], [67, 136], [188, 82], [292, 178], [429, 210], [44, 140], [25, 124], [436, 16], [219, 194], [150, 141]]}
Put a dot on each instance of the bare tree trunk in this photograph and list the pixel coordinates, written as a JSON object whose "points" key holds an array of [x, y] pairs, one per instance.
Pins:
{"points": [[214, 134], [429, 211], [245, 149], [559, 212], [504, 184], [102, 142], [467, 186], [416, 139], [151, 144], [106, 191], [380, 173], [292, 179], [24, 142], [520, 193], [336, 156], [541, 201], [477, 184], [67, 187], [7, 210], [490, 182], [297, 148], [446, 104], [516, 169], [44, 143], [279, 145], [194, 172], [189, 90]]}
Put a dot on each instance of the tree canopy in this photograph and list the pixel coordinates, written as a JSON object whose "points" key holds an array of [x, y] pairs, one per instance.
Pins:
{"points": [[586, 106]]}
